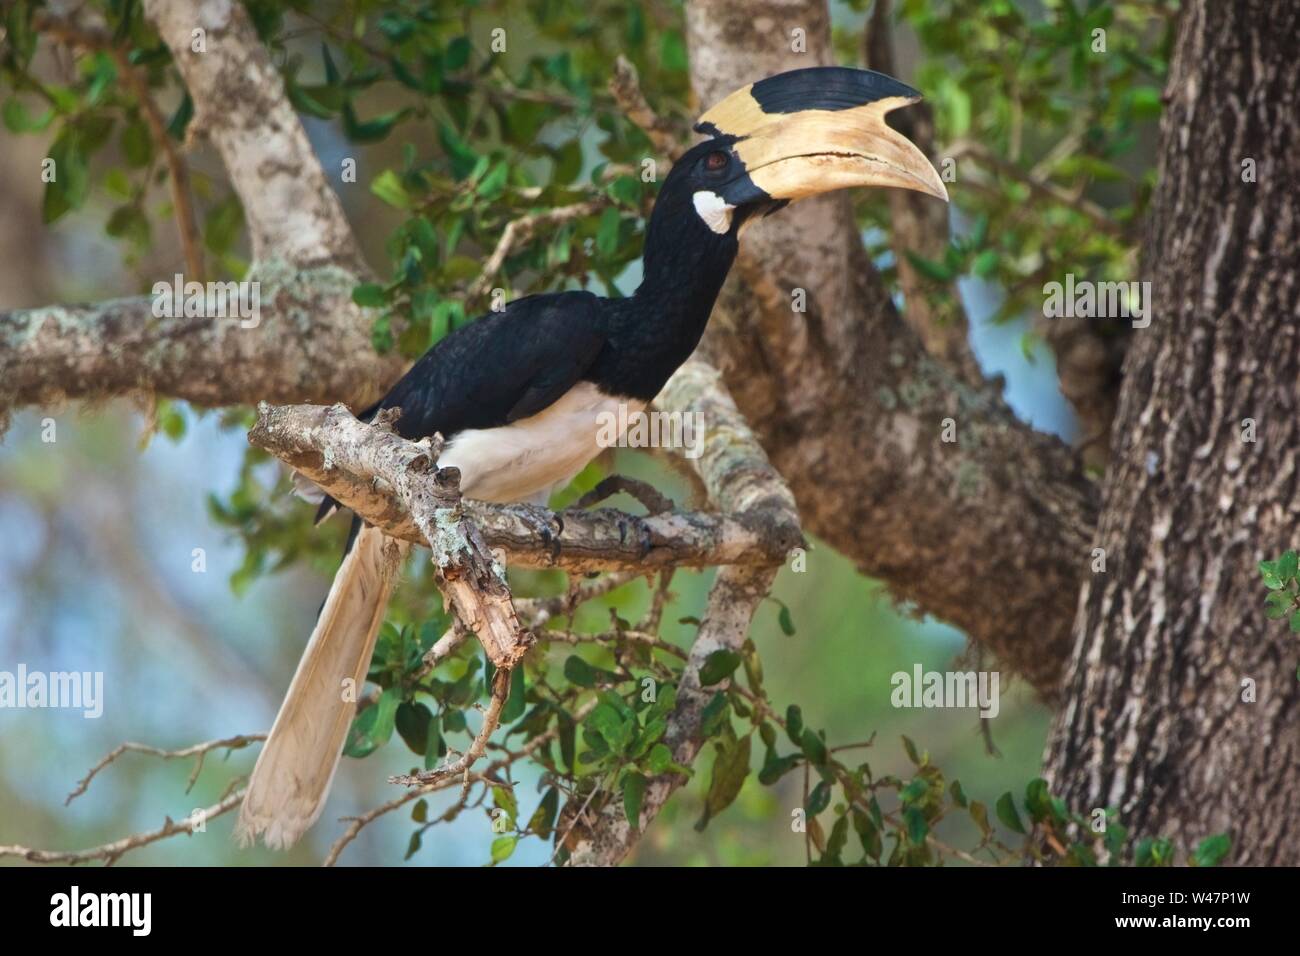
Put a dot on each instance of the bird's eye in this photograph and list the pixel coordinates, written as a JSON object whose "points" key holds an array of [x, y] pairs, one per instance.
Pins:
{"points": [[716, 161]]}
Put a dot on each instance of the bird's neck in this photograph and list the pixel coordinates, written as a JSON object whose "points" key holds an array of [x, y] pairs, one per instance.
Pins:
{"points": [[660, 325]]}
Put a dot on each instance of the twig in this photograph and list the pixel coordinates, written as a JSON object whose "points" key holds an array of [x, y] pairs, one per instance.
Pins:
{"points": [[1043, 187], [110, 852], [179, 177], [195, 750], [538, 611], [625, 87], [491, 719], [521, 230], [655, 502]]}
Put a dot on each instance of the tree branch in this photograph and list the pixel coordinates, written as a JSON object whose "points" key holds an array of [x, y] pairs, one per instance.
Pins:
{"points": [[367, 468], [110, 852]]}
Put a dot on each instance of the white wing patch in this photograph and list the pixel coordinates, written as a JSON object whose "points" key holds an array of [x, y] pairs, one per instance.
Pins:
{"points": [[524, 460], [714, 210]]}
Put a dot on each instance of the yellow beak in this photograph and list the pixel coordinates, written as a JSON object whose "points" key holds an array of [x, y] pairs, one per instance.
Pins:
{"points": [[811, 131]]}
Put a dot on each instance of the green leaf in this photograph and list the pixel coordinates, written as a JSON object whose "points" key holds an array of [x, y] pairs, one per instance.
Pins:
{"points": [[985, 264], [502, 848], [1287, 565], [1006, 811], [774, 768], [672, 52], [412, 722], [515, 703], [504, 797], [785, 620], [1038, 801], [794, 724], [1115, 837], [718, 666], [633, 790], [819, 799], [372, 728], [413, 846], [388, 187], [729, 772], [868, 833], [67, 191], [579, 672], [714, 717], [1272, 578], [543, 818], [370, 131], [937, 271], [980, 814], [607, 232], [369, 294], [181, 118], [420, 812], [222, 226], [1277, 604], [1212, 850], [912, 753], [917, 827], [18, 120], [659, 759], [128, 222], [491, 186], [612, 727], [814, 748], [1295, 623]]}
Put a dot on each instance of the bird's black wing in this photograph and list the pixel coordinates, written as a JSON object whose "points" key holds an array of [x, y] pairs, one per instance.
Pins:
{"points": [[498, 369], [501, 368]]}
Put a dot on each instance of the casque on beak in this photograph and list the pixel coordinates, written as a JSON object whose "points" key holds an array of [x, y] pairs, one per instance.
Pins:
{"points": [[810, 131]]}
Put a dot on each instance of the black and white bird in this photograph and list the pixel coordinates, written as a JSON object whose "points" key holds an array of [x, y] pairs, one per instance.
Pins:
{"points": [[518, 395]]}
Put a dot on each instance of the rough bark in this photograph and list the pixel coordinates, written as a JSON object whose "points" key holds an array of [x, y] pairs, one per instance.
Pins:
{"points": [[991, 532], [1155, 725], [310, 343]]}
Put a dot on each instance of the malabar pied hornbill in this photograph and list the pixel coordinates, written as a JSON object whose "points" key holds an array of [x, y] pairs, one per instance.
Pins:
{"points": [[518, 394]]}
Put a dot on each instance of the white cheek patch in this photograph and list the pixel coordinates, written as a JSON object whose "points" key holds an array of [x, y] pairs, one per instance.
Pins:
{"points": [[714, 210]]}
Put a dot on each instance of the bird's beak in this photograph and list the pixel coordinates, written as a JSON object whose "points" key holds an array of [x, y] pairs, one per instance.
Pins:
{"points": [[810, 131]]}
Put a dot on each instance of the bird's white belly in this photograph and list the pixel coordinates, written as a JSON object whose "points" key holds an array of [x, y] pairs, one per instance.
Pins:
{"points": [[525, 460]]}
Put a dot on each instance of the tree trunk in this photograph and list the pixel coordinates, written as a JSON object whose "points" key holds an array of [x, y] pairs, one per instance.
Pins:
{"points": [[1157, 723]]}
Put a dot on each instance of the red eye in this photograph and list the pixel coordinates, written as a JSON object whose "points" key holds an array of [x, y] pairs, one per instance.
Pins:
{"points": [[715, 161]]}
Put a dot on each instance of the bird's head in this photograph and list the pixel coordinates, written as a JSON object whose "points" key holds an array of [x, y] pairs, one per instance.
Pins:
{"points": [[796, 135]]}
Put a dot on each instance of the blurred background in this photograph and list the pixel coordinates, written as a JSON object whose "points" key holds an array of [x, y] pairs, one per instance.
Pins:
{"points": [[98, 531]]}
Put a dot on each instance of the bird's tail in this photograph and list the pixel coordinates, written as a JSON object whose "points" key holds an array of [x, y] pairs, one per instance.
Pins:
{"points": [[296, 767]]}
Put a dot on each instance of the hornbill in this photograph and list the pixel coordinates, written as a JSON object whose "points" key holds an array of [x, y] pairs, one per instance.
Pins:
{"points": [[518, 395]]}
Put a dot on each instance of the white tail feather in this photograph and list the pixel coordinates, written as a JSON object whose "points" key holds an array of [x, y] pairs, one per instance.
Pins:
{"points": [[296, 767]]}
